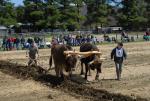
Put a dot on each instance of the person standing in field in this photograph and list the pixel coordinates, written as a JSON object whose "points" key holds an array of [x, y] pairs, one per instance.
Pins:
{"points": [[22, 42], [54, 42], [4, 44], [32, 52], [118, 54]]}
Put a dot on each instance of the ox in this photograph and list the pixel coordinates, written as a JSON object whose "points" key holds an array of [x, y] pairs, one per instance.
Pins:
{"points": [[63, 63], [92, 61]]}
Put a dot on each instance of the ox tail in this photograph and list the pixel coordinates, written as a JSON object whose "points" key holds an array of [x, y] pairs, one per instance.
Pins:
{"points": [[50, 62]]}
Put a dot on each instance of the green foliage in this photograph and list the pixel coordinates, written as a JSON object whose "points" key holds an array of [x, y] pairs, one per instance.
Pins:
{"points": [[132, 15], [70, 17], [52, 16], [37, 15], [41, 23], [7, 13], [7, 21], [97, 12], [68, 14], [148, 12], [20, 14]]}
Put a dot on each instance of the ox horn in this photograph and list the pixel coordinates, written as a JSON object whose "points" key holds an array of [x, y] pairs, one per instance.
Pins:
{"points": [[91, 62], [68, 55], [71, 52]]}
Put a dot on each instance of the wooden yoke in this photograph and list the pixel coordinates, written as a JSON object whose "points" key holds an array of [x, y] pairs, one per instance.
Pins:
{"points": [[84, 54]]}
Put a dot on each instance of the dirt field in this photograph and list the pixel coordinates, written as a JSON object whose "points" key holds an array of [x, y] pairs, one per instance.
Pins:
{"points": [[135, 79]]}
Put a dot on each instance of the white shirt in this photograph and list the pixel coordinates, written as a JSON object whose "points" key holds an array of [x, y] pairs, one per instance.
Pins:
{"points": [[94, 39], [119, 52]]}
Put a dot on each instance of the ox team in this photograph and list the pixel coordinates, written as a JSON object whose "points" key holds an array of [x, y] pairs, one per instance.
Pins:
{"points": [[65, 63]]}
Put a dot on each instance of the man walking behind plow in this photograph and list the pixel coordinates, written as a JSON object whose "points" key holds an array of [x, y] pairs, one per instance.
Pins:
{"points": [[32, 52], [118, 54]]}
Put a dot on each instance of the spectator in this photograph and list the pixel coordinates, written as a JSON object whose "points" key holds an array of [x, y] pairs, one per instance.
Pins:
{"points": [[88, 39], [42, 43], [4, 44], [83, 40], [23, 42], [30, 41], [54, 41], [17, 42], [27, 45], [10, 43]]}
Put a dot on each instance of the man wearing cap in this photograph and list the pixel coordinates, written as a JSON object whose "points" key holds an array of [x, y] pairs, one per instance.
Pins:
{"points": [[118, 54]]}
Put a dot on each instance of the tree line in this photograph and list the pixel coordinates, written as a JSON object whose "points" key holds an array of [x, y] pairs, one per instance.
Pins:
{"points": [[76, 14]]}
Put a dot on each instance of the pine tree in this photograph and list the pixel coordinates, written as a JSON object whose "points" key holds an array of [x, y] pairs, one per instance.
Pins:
{"points": [[148, 12], [52, 14], [97, 12], [132, 14], [7, 13], [34, 13], [70, 16]]}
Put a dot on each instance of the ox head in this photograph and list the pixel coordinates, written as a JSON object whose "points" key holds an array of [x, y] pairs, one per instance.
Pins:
{"points": [[96, 63], [71, 61], [71, 58]]}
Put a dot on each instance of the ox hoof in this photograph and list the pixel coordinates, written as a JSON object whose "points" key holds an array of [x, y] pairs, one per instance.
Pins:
{"points": [[87, 82], [85, 78], [97, 78]]}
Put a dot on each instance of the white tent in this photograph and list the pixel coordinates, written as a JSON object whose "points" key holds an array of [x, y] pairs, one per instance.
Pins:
{"points": [[3, 30]]}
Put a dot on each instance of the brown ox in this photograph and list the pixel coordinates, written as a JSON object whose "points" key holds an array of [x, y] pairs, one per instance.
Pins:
{"points": [[63, 63], [92, 61]]}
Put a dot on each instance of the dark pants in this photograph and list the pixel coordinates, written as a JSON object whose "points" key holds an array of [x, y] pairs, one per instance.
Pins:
{"points": [[4, 46], [118, 69], [17, 46]]}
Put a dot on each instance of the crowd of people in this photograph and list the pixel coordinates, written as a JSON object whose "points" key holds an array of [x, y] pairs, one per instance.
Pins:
{"points": [[74, 40], [16, 43]]}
